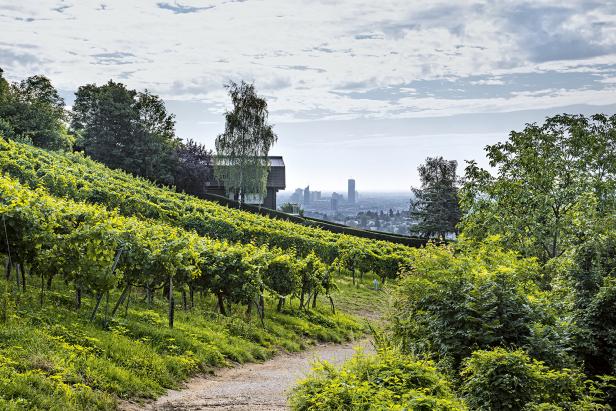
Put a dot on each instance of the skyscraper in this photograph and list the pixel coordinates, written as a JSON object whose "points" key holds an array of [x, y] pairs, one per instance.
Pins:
{"points": [[307, 195], [351, 192]]}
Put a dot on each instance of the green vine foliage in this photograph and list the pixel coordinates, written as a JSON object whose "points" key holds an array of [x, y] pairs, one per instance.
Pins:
{"points": [[76, 177]]}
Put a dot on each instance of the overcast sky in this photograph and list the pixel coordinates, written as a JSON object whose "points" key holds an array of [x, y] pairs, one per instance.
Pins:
{"points": [[362, 89]]}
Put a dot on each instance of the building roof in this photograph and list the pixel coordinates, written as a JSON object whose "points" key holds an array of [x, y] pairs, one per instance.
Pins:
{"points": [[276, 177], [276, 161]]}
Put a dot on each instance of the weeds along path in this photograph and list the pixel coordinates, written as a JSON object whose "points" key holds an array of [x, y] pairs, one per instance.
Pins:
{"points": [[252, 386]]}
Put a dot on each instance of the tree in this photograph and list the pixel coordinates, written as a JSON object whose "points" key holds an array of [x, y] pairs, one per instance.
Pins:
{"points": [[291, 209], [194, 168], [126, 129], [594, 288], [241, 162], [157, 144], [33, 111], [550, 179], [4, 85], [435, 205]]}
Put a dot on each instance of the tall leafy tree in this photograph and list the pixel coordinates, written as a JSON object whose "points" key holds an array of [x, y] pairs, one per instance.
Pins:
{"points": [[435, 205], [553, 182], [126, 129], [33, 111], [157, 142], [194, 168], [241, 162]]}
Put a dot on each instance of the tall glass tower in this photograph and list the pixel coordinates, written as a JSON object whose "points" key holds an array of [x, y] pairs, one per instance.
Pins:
{"points": [[351, 192]]}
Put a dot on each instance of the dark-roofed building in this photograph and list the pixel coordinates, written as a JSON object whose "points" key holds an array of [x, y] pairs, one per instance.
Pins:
{"points": [[276, 180]]}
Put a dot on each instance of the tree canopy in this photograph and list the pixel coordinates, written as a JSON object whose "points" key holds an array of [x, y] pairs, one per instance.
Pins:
{"points": [[435, 205], [126, 129], [32, 111], [194, 167], [241, 162], [552, 182]]}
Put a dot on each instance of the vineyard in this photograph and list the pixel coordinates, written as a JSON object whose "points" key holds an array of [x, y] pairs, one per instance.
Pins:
{"points": [[81, 179], [95, 256]]}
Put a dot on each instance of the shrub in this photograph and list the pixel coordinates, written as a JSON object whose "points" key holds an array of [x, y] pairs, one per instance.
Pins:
{"points": [[386, 381], [499, 379], [594, 281], [452, 304]]}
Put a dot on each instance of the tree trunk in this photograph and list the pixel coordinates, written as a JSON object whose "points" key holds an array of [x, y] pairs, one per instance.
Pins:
{"points": [[23, 279], [171, 303], [221, 303], [262, 311], [280, 304], [49, 282], [314, 299], [301, 298], [192, 297], [184, 300], [17, 275], [331, 301], [42, 289], [78, 298], [165, 291], [148, 294], [7, 268], [261, 300]]}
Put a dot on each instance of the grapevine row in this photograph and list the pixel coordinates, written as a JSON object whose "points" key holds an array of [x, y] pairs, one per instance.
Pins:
{"points": [[97, 250], [71, 175]]}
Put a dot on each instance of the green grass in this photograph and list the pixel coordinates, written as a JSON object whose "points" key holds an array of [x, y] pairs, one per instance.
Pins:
{"points": [[360, 299], [52, 357]]}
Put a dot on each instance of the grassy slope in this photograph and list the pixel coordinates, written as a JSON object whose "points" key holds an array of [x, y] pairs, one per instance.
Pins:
{"points": [[54, 358], [361, 300]]}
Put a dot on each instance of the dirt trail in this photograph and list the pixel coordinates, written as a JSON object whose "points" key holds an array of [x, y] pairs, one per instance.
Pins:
{"points": [[252, 386]]}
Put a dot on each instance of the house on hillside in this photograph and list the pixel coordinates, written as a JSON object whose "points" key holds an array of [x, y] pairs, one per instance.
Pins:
{"points": [[276, 180]]}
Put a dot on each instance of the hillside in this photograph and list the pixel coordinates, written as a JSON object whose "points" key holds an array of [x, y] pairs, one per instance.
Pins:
{"points": [[77, 177], [115, 288]]}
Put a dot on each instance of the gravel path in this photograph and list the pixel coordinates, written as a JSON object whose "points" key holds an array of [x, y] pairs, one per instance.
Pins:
{"points": [[252, 386]]}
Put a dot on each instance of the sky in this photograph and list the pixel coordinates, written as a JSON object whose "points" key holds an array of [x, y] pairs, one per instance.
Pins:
{"points": [[356, 89]]}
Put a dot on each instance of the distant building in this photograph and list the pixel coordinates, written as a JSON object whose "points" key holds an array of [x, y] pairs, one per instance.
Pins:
{"points": [[337, 196], [297, 197], [334, 203], [351, 191], [276, 180], [315, 196], [307, 195]]}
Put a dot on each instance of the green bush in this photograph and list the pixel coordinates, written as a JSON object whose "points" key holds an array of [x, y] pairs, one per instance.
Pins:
{"points": [[386, 381], [453, 303], [500, 379], [593, 278]]}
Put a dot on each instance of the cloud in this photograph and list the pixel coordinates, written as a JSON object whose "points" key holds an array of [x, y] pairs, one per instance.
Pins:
{"points": [[178, 8], [10, 58], [61, 8], [325, 59], [548, 33], [113, 58], [368, 36]]}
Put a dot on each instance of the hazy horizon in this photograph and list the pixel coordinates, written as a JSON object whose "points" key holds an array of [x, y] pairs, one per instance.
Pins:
{"points": [[356, 89]]}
